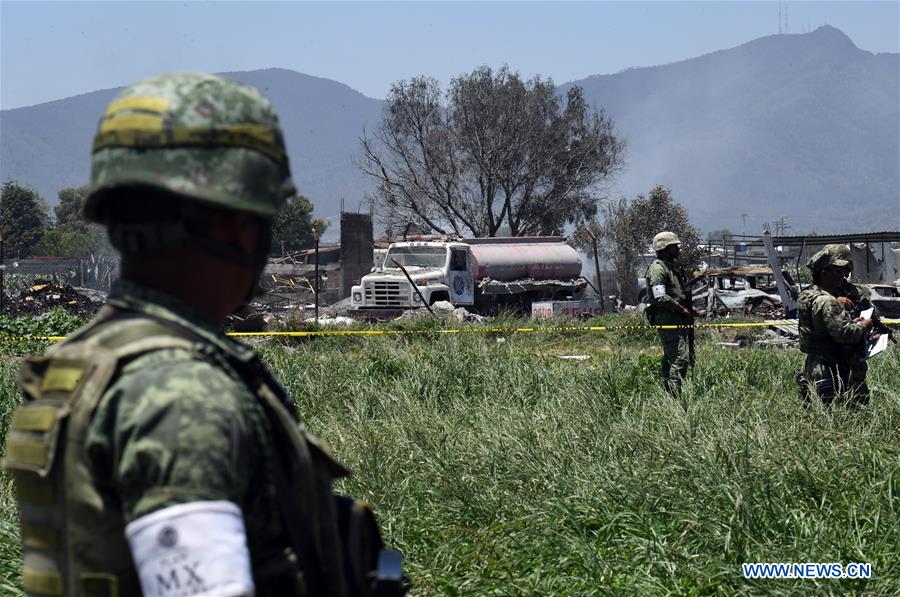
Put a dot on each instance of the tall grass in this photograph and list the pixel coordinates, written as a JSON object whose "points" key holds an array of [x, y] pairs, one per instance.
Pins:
{"points": [[10, 549], [499, 468]]}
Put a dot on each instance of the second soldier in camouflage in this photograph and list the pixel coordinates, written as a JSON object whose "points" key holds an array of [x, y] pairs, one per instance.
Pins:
{"points": [[834, 342], [670, 305]]}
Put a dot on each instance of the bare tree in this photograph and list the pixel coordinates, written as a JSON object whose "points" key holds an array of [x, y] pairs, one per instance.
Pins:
{"points": [[627, 229], [503, 153]]}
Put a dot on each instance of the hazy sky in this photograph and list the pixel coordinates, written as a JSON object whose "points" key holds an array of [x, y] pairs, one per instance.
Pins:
{"points": [[52, 50]]}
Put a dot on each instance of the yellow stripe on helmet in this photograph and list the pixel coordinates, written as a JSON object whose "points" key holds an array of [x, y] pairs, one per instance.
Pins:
{"points": [[125, 122], [138, 102], [144, 131]]}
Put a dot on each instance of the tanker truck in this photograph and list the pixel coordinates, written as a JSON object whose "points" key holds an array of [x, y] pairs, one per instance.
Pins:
{"points": [[486, 274]]}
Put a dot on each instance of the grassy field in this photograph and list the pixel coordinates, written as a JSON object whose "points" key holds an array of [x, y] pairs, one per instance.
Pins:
{"points": [[499, 468]]}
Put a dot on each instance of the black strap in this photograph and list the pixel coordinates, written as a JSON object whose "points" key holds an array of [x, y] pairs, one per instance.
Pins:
{"points": [[299, 533], [298, 528]]}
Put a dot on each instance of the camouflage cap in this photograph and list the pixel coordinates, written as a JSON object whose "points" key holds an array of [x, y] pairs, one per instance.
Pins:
{"points": [[831, 255], [841, 255], [199, 136], [664, 239]]}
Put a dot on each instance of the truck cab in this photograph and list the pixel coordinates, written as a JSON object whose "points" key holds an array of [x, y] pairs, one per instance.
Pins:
{"points": [[440, 270]]}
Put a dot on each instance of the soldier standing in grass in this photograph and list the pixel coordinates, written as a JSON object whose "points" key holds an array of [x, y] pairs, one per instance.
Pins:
{"points": [[834, 341], [670, 304], [152, 454]]}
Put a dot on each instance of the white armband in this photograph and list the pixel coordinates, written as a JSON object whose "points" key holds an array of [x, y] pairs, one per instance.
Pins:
{"points": [[193, 549], [659, 290]]}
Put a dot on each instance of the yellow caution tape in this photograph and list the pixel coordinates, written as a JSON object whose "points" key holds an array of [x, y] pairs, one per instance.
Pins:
{"points": [[596, 328]]}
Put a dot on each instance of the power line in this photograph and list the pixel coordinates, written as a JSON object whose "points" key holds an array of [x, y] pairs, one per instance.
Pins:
{"points": [[781, 226]]}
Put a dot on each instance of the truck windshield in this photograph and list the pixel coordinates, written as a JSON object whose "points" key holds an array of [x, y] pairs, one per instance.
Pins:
{"points": [[416, 256]]}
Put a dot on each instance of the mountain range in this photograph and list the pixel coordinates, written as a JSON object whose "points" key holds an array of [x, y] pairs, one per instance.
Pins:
{"points": [[801, 126]]}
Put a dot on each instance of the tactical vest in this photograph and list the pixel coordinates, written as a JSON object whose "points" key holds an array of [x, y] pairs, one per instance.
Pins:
{"points": [[814, 339], [676, 288], [73, 534]]}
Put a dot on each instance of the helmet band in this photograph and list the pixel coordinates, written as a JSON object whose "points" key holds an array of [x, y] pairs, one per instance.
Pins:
{"points": [[139, 131]]}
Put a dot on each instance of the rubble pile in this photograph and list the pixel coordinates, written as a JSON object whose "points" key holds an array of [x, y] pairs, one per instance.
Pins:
{"points": [[341, 307], [326, 320], [443, 308], [773, 337], [45, 296], [765, 308]]}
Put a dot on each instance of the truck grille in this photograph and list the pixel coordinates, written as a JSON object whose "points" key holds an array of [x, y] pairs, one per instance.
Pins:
{"points": [[387, 294]]}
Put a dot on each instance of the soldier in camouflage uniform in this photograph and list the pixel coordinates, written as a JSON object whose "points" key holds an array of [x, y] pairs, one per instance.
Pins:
{"points": [[834, 342], [153, 454], [670, 304]]}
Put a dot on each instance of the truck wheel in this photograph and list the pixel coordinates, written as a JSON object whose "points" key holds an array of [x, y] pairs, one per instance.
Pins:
{"points": [[439, 296]]}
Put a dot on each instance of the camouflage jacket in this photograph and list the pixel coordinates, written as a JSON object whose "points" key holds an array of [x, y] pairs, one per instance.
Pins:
{"points": [[173, 428], [666, 285], [826, 329], [146, 418]]}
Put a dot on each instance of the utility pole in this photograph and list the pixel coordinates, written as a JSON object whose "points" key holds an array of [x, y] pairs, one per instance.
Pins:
{"points": [[743, 225], [597, 267], [316, 238], [2, 271], [733, 249], [781, 226]]}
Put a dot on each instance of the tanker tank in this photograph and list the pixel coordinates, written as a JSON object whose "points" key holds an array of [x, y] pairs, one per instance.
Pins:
{"points": [[510, 259]]}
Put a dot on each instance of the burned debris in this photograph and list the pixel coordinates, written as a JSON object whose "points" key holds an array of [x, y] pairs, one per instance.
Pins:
{"points": [[471, 279], [738, 290], [46, 295]]}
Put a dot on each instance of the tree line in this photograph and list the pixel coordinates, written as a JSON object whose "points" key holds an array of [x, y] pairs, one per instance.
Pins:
{"points": [[28, 229]]}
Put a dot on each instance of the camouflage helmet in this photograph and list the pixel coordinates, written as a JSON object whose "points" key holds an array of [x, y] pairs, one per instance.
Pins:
{"points": [[663, 240], [202, 137], [830, 255], [841, 253]]}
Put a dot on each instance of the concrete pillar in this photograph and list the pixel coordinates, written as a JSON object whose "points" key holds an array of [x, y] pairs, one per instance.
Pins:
{"points": [[356, 249]]}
